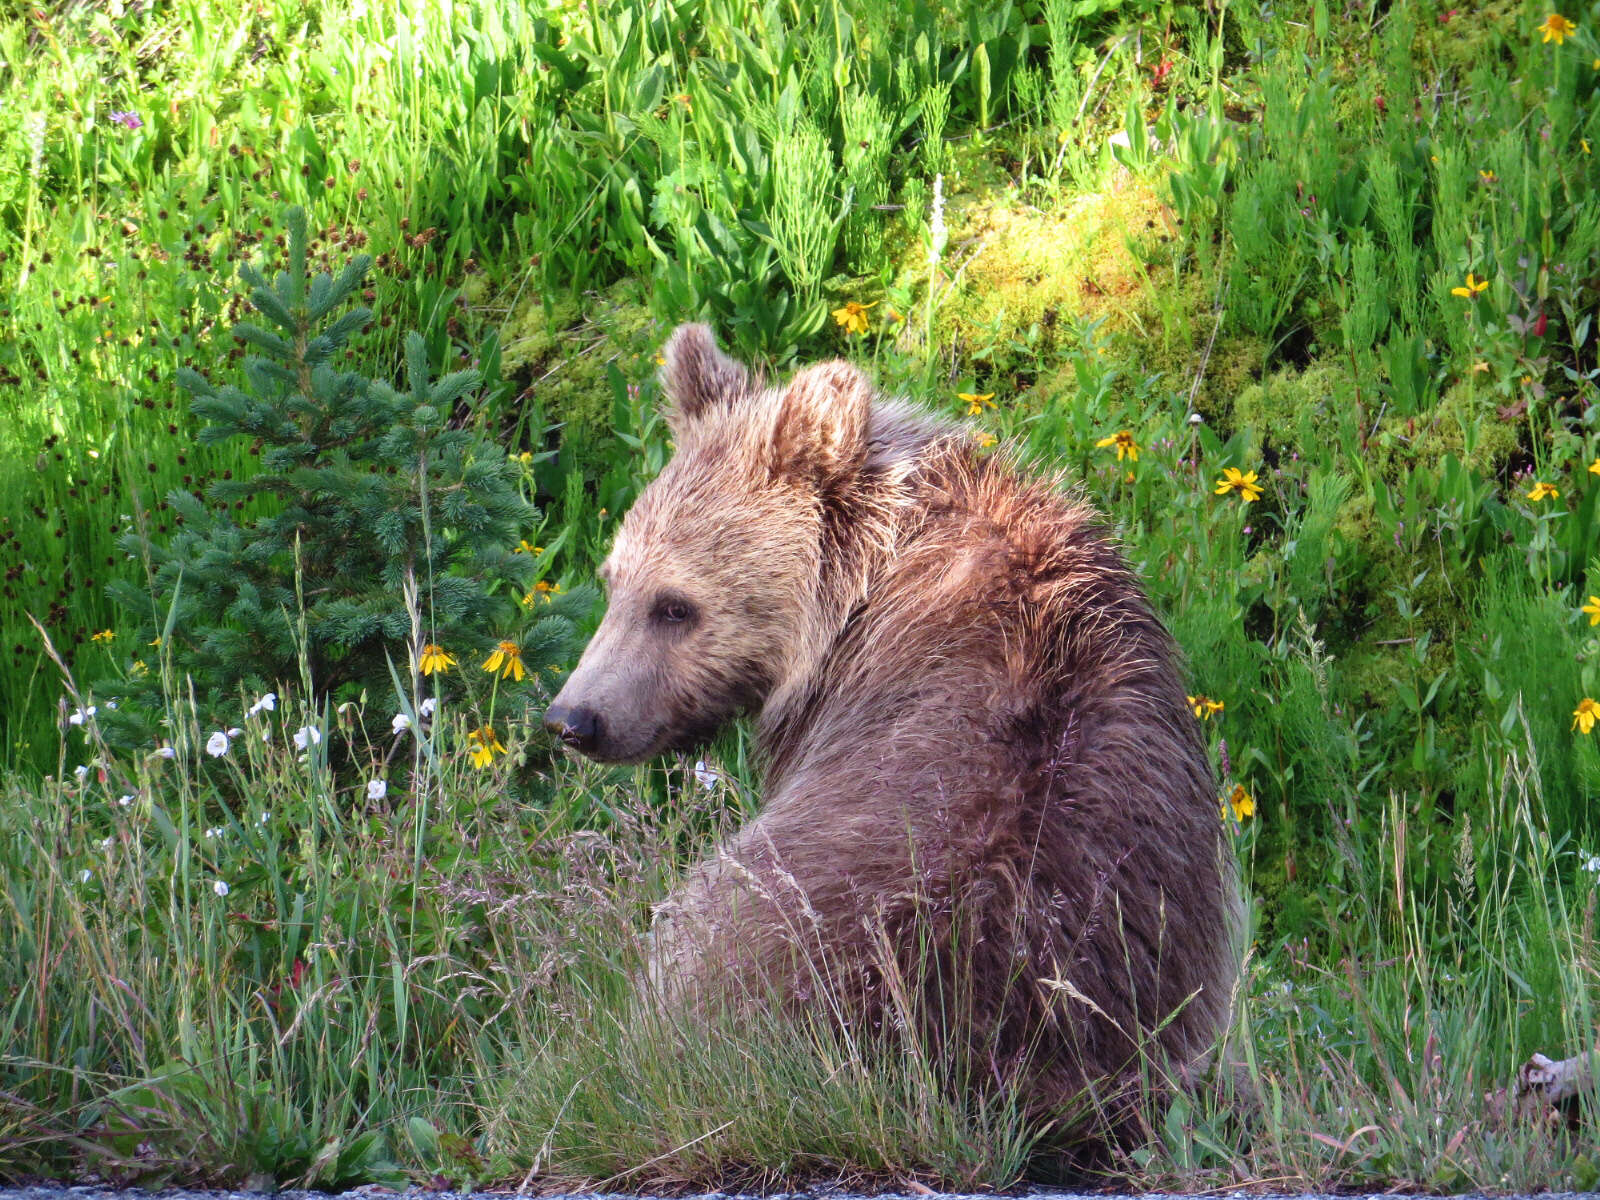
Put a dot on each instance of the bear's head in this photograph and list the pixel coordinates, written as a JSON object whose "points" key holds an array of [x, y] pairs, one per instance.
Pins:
{"points": [[713, 580]]}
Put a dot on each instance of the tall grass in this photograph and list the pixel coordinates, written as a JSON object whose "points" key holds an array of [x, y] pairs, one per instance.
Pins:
{"points": [[235, 970]]}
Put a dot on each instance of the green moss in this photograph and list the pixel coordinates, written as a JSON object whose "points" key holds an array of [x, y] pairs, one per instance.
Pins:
{"points": [[1463, 425], [1022, 284], [1291, 408], [1472, 36], [1077, 263], [558, 360]]}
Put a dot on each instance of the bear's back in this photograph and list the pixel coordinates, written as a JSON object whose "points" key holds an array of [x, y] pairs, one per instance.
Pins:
{"points": [[1003, 720]]}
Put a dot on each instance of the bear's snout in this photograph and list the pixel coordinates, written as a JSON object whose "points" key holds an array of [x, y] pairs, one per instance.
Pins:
{"points": [[577, 725]]}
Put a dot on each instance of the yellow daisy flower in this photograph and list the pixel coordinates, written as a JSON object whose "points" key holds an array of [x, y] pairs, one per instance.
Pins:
{"points": [[1584, 716], [483, 745], [1557, 29], [434, 660], [852, 318], [1123, 441], [1242, 482], [1240, 801], [507, 659]]}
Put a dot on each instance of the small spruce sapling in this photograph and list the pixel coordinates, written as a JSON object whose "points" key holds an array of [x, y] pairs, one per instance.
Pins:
{"points": [[361, 485]]}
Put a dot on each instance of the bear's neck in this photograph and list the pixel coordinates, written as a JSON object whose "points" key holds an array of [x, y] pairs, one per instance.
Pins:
{"points": [[862, 531]]}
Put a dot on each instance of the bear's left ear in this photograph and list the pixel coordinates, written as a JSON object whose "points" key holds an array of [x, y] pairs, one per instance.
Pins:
{"points": [[821, 428], [697, 377]]}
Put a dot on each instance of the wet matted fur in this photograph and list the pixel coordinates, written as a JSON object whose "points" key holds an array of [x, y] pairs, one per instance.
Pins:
{"points": [[986, 802]]}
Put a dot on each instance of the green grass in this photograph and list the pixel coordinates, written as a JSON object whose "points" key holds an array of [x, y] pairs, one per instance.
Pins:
{"points": [[1236, 234]]}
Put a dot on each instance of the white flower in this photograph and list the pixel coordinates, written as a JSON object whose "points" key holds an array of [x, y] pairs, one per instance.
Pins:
{"points": [[213, 833], [220, 888], [124, 801], [307, 735], [85, 875], [1196, 419], [347, 708], [166, 752], [111, 704], [217, 744], [262, 820], [266, 704], [1590, 863], [105, 843], [401, 722], [235, 732], [33, 134], [377, 789], [427, 706], [705, 776], [80, 715], [80, 771]]}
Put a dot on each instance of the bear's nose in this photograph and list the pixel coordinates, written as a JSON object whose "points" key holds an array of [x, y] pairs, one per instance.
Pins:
{"points": [[577, 725]]}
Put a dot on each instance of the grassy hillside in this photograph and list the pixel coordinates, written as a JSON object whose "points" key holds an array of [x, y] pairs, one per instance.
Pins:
{"points": [[1304, 294]]}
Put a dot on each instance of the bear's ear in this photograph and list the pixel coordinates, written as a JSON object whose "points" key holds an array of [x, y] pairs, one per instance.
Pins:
{"points": [[821, 427], [697, 377]]}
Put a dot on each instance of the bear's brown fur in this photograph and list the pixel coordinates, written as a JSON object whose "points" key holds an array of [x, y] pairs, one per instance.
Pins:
{"points": [[982, 782]]}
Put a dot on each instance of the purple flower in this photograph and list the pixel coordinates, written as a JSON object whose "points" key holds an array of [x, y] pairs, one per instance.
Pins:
{"points": [[131, 120]]}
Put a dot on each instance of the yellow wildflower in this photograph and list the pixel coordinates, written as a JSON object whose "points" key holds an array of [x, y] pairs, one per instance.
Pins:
{"points": [[1243, 482], [544, 588], [852, 318], [1543, 491], [1240, 801], [1584, 716], [986, 440], [483, 745], [1474, 288], [1594, 467], [1592, 610], [1205, 707], [976, 401], [507, 659], [1488, 177], [434, 660], [105, 635], [524, 548], [1123, 441], [1557, 29]]}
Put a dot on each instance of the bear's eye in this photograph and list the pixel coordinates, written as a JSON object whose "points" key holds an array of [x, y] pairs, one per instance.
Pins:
{"points": [[670, 610]]}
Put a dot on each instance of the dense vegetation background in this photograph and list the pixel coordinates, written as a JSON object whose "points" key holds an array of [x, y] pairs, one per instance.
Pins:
{"points": [[1305, 294]]}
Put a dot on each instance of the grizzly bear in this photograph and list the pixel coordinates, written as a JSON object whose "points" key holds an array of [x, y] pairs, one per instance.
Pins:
{"points": [[985, 798]]}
